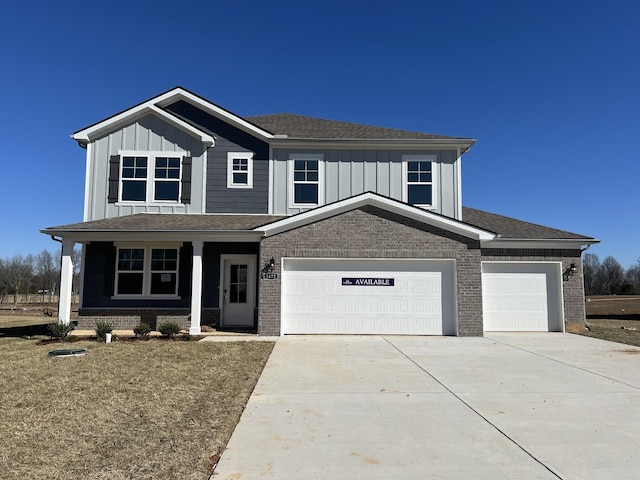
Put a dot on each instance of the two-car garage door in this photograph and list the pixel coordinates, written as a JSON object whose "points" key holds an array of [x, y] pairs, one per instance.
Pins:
{"points": [[340, 296]]}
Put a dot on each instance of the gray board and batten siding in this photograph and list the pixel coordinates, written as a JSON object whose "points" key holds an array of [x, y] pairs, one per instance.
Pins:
{"points": [[350, 172], [146, 134], [219, 198]]}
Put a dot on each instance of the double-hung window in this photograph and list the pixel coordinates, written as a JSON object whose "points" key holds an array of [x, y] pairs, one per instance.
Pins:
{"points": [[146, 271], [239, 170], [151, 177], [418, 172], [306, 179], [167, 179]]}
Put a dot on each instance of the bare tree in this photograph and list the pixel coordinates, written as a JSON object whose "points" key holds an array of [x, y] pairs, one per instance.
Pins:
{"points": [[48, 267], [16, 273], [632, 278], [610, 276], [77, 262], [4, 285], [590, 267], [29, 269]]}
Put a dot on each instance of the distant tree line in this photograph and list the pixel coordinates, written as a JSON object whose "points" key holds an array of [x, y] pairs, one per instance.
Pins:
{"points": [[23, 278], [608, 277]]}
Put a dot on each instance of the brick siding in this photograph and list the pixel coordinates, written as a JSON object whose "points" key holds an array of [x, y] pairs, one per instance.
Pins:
{"points": [[127, 319], [370, 232]]}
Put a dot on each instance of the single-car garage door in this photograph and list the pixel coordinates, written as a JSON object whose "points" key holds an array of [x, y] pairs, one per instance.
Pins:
{"points": [[522, 296], [339, 296]]}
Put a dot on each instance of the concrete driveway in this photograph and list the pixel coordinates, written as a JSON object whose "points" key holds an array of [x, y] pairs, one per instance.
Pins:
{"points": [[506, 406]]}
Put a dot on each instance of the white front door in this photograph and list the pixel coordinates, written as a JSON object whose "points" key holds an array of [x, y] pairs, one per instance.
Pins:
{"points": [[238, 293]]}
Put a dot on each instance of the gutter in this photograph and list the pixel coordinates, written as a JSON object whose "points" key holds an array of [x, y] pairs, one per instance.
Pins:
{"points": [[537, 243]]}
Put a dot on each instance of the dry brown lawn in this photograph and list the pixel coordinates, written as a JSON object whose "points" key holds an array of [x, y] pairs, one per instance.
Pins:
{"points": [[613, 306], [615, 318], [621, 331], [125, 410]]}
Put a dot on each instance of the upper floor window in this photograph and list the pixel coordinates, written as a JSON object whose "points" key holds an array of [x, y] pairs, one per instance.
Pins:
{"points": [[306, 184], [418, 179], [148, 177], [146, 271], [239, 170]]}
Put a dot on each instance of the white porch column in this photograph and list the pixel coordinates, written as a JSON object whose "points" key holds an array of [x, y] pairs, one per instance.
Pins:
{"points": [[196, 288], [66, 279]]}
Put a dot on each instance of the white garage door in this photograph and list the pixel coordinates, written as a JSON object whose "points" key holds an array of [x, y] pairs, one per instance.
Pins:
{"points": [[522, 297], [333, 296]]}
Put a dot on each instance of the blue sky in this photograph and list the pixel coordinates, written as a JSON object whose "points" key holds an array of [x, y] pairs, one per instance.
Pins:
{"points": [[550, 89]]}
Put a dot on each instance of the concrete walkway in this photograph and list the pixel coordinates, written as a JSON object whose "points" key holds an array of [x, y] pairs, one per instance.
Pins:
{"points": [[507, 406]]}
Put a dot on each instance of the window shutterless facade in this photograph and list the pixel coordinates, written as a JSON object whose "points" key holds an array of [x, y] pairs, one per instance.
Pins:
{"points": [[306, 180], [418, 172], [239, 170], [146, 271]]}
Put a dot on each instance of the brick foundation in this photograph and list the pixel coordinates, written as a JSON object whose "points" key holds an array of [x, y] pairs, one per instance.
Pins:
{"points": [[127, 319]]}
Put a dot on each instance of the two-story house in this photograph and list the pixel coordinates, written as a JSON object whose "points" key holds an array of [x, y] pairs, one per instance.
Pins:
{"points": [[287, 224]]}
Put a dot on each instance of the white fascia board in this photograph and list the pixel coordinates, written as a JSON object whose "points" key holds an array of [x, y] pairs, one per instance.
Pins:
{"points": [[155, 236], [372, 199], [89, 134], [372, 144], [529, 243], [211, 108]]}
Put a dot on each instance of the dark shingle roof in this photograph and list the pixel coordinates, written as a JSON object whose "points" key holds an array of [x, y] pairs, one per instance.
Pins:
{"points": [[505, 227], [142, 222], [508, 227], [299, 126]]}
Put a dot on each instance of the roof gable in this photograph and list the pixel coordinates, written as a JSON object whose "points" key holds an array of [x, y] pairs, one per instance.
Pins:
{"points": [[384, 203], [156, 106]]}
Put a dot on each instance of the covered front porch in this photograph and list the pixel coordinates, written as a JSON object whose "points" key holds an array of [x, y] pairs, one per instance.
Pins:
{"points": [[135, 274]]}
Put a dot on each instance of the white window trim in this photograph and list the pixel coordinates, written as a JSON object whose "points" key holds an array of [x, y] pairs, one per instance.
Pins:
{"points": [[244, 156], [321, 187], [146, 272], [434, 176], [151, 163]]}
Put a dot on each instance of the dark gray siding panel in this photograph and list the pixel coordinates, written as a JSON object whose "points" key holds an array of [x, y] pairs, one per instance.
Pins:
{"points": [[219, 198], [99, 271], [211, 268]]}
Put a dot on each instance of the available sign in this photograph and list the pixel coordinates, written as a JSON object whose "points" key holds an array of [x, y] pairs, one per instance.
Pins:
{"points": [[368, 282]]}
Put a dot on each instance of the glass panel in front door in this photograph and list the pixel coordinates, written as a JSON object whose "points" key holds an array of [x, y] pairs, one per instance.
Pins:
{"points": [[238, 283]]}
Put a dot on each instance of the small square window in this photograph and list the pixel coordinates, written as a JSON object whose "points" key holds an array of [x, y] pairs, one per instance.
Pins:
{"points": [[239, 170]]}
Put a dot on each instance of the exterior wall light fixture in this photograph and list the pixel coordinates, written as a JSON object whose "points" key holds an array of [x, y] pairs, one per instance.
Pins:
{"points": [[270, 266], [570, 272]]}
